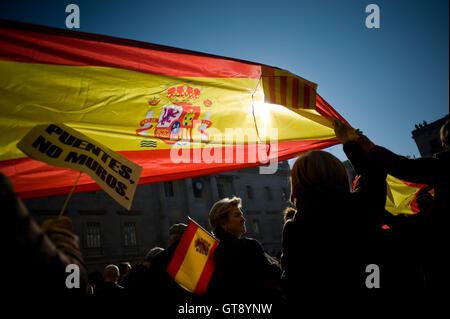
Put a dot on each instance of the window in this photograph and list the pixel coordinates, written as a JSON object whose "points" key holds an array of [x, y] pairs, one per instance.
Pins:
{"points": [[285, 193], [249, 192], [275, 229], [256, 227], [221, 190], [168, 189], [93, 235], [268, 193], [129, 234], [197, 186], [225, 186]]}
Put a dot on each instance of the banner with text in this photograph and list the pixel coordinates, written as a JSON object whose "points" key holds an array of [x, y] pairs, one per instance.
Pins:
{"points": [[60, 145]]}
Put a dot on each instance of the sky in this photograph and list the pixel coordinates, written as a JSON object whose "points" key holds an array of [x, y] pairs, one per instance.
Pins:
{"points": [[381, 80]]}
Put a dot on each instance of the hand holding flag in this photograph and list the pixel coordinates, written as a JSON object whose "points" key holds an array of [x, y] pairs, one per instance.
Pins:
{"points": [[192, 264], [344, 132]]}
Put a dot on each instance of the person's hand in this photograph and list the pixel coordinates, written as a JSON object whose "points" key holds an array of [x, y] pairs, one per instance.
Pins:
{"points": [[273, 260], [365, 143], [59, 231], [62, 222], [343, 132]]}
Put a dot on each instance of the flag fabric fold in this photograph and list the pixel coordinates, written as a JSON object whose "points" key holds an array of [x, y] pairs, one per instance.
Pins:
{"points": [[402, 196]]}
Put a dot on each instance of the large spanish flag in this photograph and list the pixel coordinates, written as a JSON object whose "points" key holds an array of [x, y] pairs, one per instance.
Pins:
{"points": [[192, 264], [176, 113]]}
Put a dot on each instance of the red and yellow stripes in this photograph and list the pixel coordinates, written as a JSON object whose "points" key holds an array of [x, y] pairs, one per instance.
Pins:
{"points": [[192, 264], [107, 87], [21, 42], [36, 179], [402, 196], [284, 88]]}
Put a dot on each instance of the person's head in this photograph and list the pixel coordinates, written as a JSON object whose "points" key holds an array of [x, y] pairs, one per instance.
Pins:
{"points": [[124, 268], [151, 254], [176, 231], [289, 213], [111, 273], [444, 135], [317, 172], [226, 216]]}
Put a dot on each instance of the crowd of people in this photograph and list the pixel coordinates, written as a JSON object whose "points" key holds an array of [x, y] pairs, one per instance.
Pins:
{"points": [[331, 234]]}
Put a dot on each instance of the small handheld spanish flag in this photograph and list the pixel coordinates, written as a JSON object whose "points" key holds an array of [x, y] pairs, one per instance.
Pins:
{"points": [[192, 264]]}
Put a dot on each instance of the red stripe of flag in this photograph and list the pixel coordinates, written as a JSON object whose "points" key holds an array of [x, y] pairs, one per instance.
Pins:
{"points": [[325, 109], [295, 83], [207, 272], [37, 179], [269, 73], [273, 97], [21, 42], [414, 205], [182, 248], [283, 87], [306, 96]]}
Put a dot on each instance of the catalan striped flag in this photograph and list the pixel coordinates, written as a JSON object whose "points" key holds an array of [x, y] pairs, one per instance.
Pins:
{"points": [[192, 264], [176, 113], [284, 88]]}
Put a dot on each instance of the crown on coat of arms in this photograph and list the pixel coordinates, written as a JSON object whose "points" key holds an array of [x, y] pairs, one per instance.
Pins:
{"points": [[183, 94], [153, 101]]}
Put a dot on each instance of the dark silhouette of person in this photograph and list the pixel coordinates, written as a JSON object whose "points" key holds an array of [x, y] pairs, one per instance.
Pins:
{"points": [[431, 228], [109, 287], [333, 237], [39, 257]]}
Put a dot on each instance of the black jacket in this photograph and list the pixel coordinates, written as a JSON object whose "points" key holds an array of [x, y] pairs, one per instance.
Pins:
{"points": [[109, 289], [242, 272], [333, 236], [430, 234], [164, 288], [434, 171], [36, 266]]}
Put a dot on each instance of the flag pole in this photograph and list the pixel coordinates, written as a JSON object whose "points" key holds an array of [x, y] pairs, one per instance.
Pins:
{"points": [[202, 228], [68, 196]]}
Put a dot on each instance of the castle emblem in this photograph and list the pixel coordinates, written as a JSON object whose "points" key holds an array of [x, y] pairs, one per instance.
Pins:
{"points": [[202, 246], [177, 120]]}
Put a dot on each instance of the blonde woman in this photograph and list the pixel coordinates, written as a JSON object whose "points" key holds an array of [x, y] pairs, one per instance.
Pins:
{"points": [[331, 239], [242, 272]]}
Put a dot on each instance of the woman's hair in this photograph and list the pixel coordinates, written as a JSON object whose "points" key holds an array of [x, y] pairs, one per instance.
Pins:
{"points": [[317, 171], [219, 213], [289, 213], [444, 135]]}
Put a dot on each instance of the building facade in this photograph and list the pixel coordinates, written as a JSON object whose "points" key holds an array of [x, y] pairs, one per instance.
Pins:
{"points": [[110, 234], [427, 137]]}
